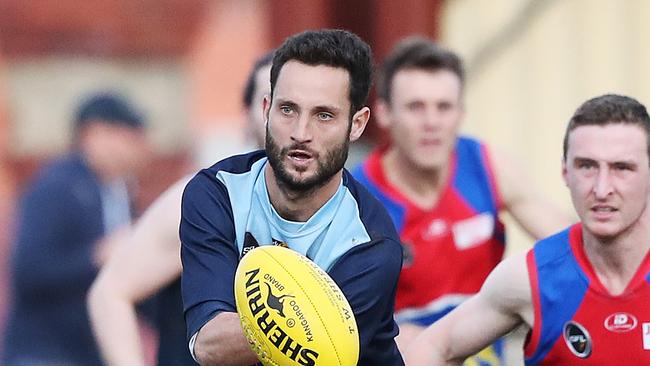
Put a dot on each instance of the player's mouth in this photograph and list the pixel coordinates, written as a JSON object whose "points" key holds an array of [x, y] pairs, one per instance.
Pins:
{"points": [[603, 212], [430, 142], [300, 158]]}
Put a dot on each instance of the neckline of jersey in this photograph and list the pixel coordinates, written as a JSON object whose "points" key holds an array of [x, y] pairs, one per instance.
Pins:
{"points": [[377, 173], [577, 247], [293, 229]]}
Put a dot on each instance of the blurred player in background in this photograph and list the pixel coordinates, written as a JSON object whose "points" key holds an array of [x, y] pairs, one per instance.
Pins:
{"points": [[149, 260], [62, 217], [257, 87], [443, 191], [583, 293], [297, 193]]}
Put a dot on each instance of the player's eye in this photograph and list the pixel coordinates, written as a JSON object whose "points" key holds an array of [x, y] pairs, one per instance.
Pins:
{"points": [[444, 106], [285, 109], [324, 116], [585, 164], [623, 166], [415, 106]]}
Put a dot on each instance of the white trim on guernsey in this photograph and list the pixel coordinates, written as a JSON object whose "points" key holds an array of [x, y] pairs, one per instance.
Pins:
{"points": [[191, 345]]}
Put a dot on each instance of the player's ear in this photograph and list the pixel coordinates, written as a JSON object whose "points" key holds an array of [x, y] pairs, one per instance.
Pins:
{"points": [[248, 128], [462, 109], [359, 122], [382, 113], [564, 172], [266, 105]]}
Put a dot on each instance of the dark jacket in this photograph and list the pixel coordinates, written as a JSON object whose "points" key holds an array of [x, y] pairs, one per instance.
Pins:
{"points": [[60, 220]]}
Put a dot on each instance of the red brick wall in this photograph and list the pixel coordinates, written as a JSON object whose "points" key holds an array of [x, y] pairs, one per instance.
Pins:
{"points": [[123, 28]]}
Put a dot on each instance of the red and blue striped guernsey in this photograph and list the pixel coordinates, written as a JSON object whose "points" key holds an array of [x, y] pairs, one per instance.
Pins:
{"points": [[577, 321], [449, 249]]}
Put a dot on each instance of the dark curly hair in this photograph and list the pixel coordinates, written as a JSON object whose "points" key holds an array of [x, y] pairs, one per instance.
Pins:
{"points": [[330, 47]]}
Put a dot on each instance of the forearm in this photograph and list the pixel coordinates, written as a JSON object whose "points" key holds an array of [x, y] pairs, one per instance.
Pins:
{"points": [[408, 332], [493, 312], [221, 342], [115, 326], [425, 350]]}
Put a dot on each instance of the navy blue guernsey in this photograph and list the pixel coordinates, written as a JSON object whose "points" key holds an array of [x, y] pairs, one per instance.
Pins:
{"points": [[226, 210]]}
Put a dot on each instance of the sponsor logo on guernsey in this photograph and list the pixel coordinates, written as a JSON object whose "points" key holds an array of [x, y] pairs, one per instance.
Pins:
{"points": [[577, 339], [273, 330], [646, 336], [473, 231], [250, 243], [620, 322], [279, 243], [437, 227]]}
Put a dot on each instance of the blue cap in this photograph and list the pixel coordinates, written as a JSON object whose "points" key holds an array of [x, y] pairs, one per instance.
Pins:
{"points": [[109, 107]]}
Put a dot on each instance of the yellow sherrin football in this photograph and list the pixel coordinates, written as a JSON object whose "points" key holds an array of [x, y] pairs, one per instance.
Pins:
{"points": [[292, 312]]}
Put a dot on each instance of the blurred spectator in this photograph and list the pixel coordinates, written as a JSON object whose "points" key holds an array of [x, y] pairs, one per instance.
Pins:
{"points": [[151, 262], [62, 218]]}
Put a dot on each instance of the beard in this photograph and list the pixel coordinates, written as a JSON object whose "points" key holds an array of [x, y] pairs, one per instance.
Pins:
{"points": [[327, 165]]}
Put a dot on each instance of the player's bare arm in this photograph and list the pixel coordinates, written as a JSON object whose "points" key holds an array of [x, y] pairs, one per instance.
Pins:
{"points": [[146, 260], [408, 332], [523, 200], [221, 342], [503, 303]]}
